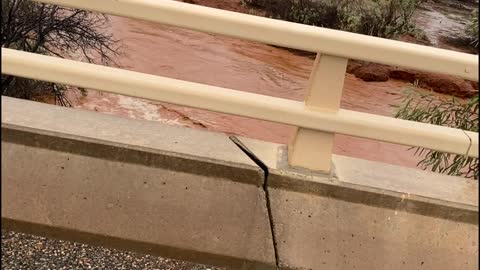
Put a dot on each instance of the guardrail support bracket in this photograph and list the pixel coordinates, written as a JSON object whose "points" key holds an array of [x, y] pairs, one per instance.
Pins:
{"points": [[312, 149]]}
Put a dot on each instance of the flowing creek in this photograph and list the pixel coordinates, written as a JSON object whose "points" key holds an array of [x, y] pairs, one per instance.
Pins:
{"points": [[242, 65]]}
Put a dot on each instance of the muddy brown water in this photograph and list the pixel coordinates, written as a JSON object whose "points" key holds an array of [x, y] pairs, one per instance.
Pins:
{"points": [[441, 22], [241, 65]]}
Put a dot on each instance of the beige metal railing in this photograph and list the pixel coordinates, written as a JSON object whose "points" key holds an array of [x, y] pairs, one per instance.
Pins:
{"points": [[318, 118]]}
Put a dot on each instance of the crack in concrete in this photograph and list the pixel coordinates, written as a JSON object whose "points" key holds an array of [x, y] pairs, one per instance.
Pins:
{"points": [[264, 167]]}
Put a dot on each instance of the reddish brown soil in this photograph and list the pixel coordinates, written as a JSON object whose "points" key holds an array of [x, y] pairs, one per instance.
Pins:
{"points": [[372, 73], [444, 84]]}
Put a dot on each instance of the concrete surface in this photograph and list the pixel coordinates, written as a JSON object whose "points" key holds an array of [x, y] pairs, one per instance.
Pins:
{"points": [[369, 215], [374, 183], [194, 195], [201, 203], [407, 181], [143, 142], [320, 232]]}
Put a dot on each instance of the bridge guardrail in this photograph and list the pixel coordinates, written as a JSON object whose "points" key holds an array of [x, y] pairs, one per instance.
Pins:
{"points": [[318, 118]]}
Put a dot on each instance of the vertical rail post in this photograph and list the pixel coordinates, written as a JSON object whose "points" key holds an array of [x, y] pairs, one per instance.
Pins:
{"points": [[312, 149]]}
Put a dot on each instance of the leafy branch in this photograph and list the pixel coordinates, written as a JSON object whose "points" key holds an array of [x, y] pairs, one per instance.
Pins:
{"points": [[450, 112]]}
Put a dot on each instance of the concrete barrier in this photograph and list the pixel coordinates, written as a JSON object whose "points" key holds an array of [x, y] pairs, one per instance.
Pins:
{"points": [[133, 185], [233, 202], [369, 215]]}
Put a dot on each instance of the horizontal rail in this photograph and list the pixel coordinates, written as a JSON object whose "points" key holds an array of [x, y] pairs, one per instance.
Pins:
{"points": [[287, 34], [235, 102]]}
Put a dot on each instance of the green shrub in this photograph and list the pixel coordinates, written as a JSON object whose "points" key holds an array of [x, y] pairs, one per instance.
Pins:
{"points": [[255, 3], [381, 18], [472, 28], [444, 112], [387, 18], [324, 14]]}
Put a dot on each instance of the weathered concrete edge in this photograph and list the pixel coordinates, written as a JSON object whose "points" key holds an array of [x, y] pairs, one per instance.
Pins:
{"points": [[131, 245], [281, 176], [376, 197], [144, 133], [108, 150]]}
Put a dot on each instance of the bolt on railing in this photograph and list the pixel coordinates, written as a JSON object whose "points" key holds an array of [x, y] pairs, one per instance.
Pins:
{"points": [[318, 118]]}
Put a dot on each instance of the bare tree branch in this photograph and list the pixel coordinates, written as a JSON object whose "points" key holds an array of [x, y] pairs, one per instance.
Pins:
{"points": [[57, 31]]}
